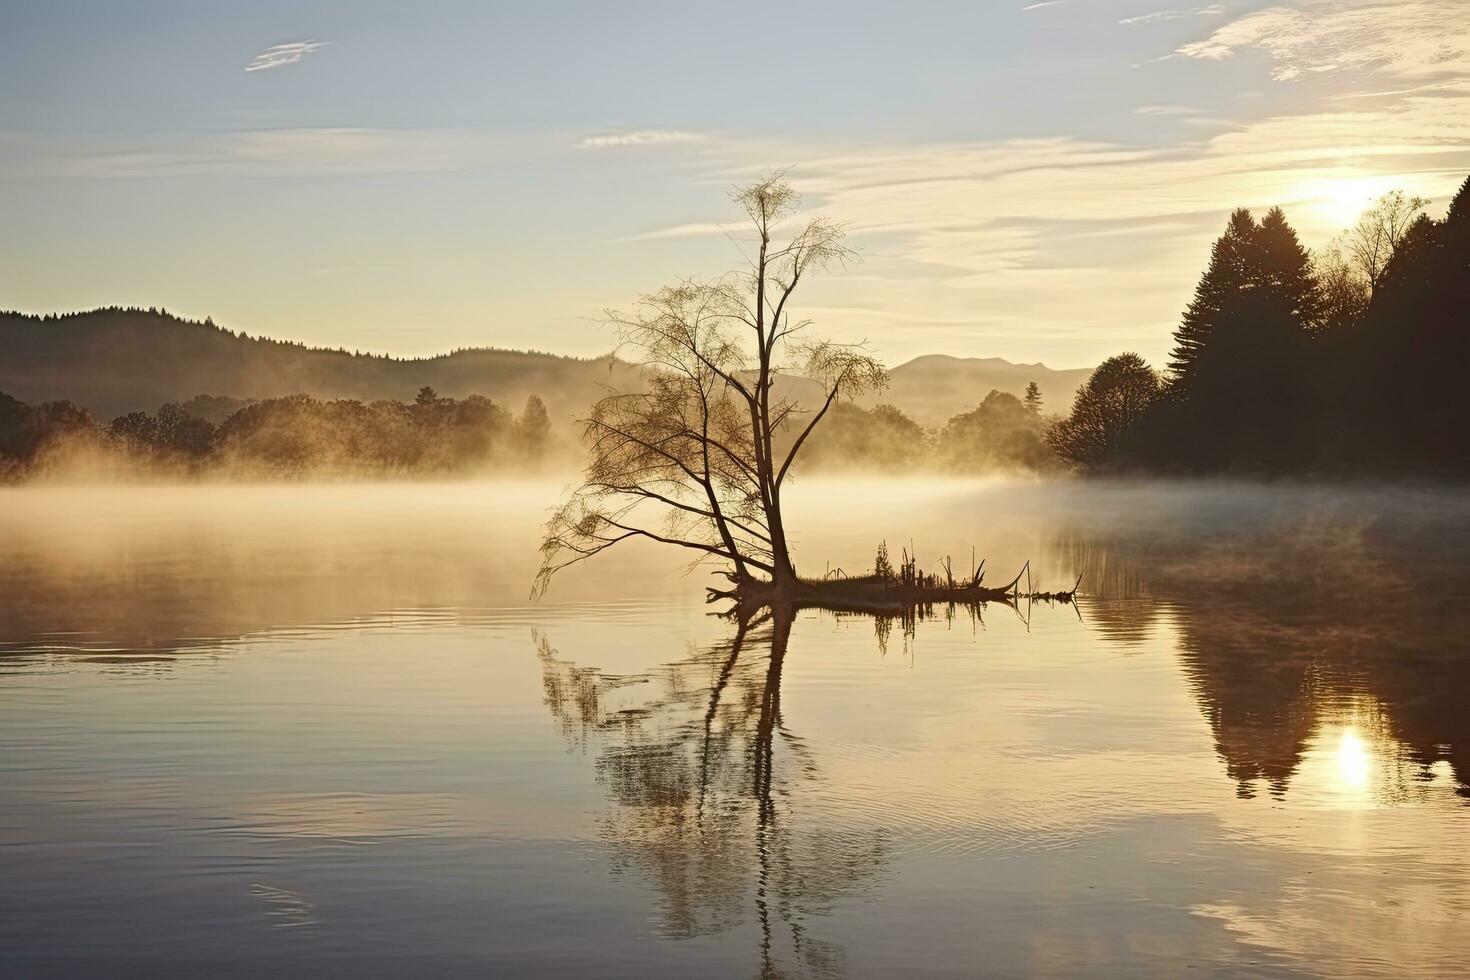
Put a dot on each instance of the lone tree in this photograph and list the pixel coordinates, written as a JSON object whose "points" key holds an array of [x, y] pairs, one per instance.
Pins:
{"points": [[1033, 398], [693, 460]]}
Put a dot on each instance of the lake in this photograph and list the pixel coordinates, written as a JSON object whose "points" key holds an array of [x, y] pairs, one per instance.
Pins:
{"points": [[322, 730]]}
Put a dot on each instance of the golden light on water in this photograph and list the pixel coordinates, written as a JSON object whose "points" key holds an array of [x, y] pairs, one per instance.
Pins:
{"points": [[1354, 760]]}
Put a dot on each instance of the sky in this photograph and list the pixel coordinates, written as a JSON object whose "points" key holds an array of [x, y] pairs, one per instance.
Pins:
{"points": [[1039, 181]]}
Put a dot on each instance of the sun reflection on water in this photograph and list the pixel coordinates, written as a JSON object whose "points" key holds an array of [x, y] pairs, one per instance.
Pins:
{"points": [[1355, 761]]}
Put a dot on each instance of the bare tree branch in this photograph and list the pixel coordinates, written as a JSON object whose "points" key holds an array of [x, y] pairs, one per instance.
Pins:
{"points": [[696, 441]]}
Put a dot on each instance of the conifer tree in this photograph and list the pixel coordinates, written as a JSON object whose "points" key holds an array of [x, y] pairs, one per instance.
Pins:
{"points": [[1033, 398], [1232, 262], [1250, 257], [1286, 268]]}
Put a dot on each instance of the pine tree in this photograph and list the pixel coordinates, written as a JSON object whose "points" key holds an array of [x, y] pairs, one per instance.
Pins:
{"points": [[1251, 257], [1232, 269], [1033, 398], [1286, 268]]}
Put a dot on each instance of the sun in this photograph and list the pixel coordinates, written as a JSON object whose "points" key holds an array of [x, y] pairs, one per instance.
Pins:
{"points": [[1342, 200]]}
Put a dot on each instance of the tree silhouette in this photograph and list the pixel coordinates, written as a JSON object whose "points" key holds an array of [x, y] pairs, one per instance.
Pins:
{"points": [[1231, 270], [1411, 350], [1117, 395], [1248, 258], [1033, 398], [1376, 237], [1286, 270], [695, 460], [1345, 292]]}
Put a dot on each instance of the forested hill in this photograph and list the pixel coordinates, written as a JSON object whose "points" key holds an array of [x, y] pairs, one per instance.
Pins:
{"points": [[114, 361]]}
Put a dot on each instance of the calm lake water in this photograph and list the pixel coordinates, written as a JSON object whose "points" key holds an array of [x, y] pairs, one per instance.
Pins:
{"points": [[322, 731]]}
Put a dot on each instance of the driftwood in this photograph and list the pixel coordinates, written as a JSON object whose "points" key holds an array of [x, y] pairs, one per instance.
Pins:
{"points": [[903, 588]]}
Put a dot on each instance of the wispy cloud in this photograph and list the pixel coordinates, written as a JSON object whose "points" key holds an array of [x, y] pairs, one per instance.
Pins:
{"points": [[1212, 10], [692, 229], [283, 54], [1414, 39], [642, 137], [305, 152], [1165, 110], [1041, 4]]}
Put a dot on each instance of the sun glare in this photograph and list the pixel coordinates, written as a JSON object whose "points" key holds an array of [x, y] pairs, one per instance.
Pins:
{"points": [[1342, 200], [1354, 761]]}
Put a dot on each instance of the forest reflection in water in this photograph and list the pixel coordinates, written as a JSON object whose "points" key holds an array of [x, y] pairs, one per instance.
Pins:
{"points": [[1244, 749], [1349, 628]]}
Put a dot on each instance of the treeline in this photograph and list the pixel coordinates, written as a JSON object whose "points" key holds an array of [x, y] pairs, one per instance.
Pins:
{"points": [[1003, 433], [303, 436], [292, 436], [1344, 363]]}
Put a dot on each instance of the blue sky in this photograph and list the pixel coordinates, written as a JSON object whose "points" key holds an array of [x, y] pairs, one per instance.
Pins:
{"points": [[1038, 184]]}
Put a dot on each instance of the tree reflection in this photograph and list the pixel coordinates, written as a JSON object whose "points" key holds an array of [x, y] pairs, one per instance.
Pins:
{"points": [[1294, 630], [705, 780]]}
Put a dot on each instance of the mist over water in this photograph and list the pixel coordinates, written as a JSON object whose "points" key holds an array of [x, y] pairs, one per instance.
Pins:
{"points": [[243, 727]]}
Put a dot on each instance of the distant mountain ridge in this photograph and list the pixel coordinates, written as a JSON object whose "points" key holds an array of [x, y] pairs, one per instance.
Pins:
{"points": [[113, 361], [933, 388]]}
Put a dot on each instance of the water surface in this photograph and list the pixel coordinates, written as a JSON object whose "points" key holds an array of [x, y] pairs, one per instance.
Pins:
{"points": [[323, 730]]}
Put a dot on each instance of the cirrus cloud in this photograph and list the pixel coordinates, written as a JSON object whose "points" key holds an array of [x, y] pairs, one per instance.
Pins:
{"points": [[283, 54], [643, 137], [1213, 10]]}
